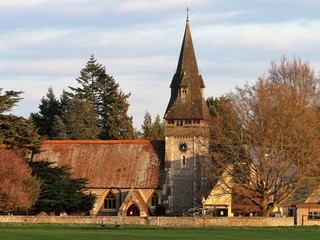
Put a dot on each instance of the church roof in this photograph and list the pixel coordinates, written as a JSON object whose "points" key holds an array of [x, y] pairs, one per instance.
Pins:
{"points": [[187, 75], [109, 164]]}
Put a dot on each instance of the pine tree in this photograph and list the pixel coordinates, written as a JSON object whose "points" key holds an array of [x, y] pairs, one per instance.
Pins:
{"points": [[147, 126], [8, 100], [77, 121], [152, 130], [17, 133], [60, 191], [44, 119], [59, 129], [110, 103], [158, 128]]}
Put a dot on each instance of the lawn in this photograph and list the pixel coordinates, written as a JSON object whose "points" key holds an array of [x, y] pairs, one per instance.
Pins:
{"points": [[81, 232]]}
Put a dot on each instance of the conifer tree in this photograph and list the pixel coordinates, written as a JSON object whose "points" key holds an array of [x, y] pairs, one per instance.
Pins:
{"points": [[60, 191], [59, 129], [158, 128], [44, 119], [77, 120], [17, 133], [152, 130], [147, 126], [110, 103], [8, 100]]}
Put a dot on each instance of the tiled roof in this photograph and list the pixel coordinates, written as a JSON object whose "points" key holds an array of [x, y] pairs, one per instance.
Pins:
{"points": [[109, 164], [308, 205]]}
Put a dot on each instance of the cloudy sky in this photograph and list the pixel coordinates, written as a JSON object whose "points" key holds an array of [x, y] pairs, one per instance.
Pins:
{"points": [[46, 43]]}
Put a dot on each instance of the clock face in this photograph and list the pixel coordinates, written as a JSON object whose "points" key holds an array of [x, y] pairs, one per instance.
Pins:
{"points": [[183, 146]]}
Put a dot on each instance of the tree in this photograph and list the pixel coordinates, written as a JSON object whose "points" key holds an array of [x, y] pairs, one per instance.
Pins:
{"points": [[60, 192], [17, 133], [18, 188], [272, 141], [110, 103], [152, 130], [44, 120], [214, 104], [158, 128], [77, 120], [8, 100], [147, 126]]}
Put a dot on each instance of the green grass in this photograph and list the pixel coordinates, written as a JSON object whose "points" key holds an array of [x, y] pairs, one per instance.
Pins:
{"points": [[95, 232]]}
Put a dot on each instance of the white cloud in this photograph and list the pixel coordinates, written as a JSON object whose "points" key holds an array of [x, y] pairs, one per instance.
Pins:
{"points": [[284, 35], [45, 42], [24, 36], [20, 3], [145, 5], [42, 67]]}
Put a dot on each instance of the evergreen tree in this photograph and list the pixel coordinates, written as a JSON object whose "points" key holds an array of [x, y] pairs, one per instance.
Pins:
{"points": [[17, 133], [147, 126], [59, 129], [214, 104], [60, 192], [8, 100], [152, 130], [44, 119], [110, 103], [158, 128], [77, 121]]}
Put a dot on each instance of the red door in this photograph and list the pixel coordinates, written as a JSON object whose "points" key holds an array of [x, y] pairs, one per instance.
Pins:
{"points": [[133, 210]]}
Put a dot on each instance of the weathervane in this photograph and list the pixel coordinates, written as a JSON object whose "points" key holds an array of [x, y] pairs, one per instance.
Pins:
{"points": [[188, 12]]}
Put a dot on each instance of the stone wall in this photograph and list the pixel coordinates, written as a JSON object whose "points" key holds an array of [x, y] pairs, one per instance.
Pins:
{"points": [[156, 221]]}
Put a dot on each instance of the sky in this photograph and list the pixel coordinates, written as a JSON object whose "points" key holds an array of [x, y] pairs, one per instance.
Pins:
{"points": [[45, 43]]}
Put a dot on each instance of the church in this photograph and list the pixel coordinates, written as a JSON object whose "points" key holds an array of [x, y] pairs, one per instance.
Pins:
{"points": [[133, 177]]}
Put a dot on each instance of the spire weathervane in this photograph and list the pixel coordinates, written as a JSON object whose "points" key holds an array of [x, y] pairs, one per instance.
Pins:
{"points": [[188, 12]]}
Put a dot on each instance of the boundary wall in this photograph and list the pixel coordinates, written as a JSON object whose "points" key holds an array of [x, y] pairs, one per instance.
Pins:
{"points": [[155, 221]]}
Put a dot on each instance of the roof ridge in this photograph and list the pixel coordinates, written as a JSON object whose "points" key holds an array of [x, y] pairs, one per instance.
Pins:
{"points": [[100, 141]]}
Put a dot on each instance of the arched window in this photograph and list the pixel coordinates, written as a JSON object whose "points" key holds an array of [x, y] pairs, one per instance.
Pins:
{"points": [[154, 199], [110, 201], [184, 92]]}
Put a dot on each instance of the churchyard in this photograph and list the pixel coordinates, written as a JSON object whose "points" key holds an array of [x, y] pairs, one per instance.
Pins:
{"points": [[9, 231]]}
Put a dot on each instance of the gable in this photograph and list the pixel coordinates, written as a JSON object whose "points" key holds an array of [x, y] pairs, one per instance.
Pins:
{"points": [[109, 164]]}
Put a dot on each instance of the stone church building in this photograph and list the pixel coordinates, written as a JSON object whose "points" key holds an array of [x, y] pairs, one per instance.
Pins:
{"points": [[132, 177]]}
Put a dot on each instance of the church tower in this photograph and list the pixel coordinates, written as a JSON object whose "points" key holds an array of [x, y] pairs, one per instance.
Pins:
{"points": [[186, 131]]}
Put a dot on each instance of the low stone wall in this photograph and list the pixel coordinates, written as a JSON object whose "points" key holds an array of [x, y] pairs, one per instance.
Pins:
{"points": [[156, 221], [224, 221]]}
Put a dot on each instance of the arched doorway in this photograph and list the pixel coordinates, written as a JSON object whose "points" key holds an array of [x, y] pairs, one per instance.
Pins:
{"points": [[133, 210]]}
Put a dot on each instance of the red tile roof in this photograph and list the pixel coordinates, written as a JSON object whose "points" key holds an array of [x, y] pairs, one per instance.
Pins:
{"points": [[308, 205], [109, 164]]}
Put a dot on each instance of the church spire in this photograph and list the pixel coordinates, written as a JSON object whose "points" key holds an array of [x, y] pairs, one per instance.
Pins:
{"points": [[187, 86]]}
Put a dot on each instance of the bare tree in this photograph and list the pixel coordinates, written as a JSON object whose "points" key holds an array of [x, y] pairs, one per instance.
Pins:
{"points": [[270, 134]]}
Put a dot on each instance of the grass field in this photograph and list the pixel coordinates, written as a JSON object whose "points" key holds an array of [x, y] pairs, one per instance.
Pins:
{"points": [[81, 232]]}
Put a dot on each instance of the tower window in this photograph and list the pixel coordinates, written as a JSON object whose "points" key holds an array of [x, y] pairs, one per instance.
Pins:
{"points": [[183, 161], [110, 201], [188, 122], [184, 92], [171, 122]]}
